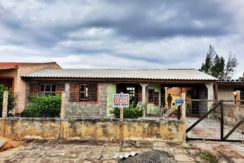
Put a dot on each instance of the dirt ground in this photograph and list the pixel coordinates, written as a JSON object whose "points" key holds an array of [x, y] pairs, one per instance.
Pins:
{"points": [[225, 151], [77, 151], [85, 152]]}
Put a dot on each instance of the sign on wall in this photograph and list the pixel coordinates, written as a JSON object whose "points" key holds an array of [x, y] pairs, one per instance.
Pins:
{"points": [[179, 102], [120, 100]]}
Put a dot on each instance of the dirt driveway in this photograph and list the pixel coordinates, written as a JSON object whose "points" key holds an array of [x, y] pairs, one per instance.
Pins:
{"points": [[225, 151], [210, 129], [61, 151]]}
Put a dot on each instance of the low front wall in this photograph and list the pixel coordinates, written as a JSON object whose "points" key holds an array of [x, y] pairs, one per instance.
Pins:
{"points": [[93, 129]]}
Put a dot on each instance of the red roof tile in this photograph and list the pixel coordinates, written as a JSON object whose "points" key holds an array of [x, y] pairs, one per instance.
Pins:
{"points": [[14, 65]]}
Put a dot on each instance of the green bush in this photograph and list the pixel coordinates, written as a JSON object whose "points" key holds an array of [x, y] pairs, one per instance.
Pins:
{"points": [[130, 112], [43, 106], [10, 98]]}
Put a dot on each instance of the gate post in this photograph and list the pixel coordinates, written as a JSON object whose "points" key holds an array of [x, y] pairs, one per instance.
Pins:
{"points": [[183, 107], [5, 104], [63, 101], [222, 120]]}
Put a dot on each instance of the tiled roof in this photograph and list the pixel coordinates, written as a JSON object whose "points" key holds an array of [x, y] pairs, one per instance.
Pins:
{"points": [[231, 81], [14, 65], [150, 74]]}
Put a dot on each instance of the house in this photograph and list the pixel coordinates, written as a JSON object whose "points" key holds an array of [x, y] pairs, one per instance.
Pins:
{"points": [[227, 89], [10, 76], [89, 91]]}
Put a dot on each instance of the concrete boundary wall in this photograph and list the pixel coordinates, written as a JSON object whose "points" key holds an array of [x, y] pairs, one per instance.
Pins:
{"points": [[93, 129]]}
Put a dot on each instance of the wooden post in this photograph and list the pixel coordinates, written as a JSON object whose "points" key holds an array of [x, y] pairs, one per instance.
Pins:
{"points": [[222, 120], [5, 104], [63, 101], [121, 117], [179, 113], [183, 107], [121, 111], [238, 98]]}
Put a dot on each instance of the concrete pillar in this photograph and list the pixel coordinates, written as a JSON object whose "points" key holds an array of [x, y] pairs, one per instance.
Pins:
{"points": [[210, 88], [5, 104], [63, 101], [144, 98], [67, 89]]}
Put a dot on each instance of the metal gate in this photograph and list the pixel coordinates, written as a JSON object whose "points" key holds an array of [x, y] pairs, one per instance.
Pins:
{"points": [[214, 125]]}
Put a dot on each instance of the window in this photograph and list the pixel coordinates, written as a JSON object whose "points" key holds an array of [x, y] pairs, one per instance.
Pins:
{"points": [[84, 92], [48, 89], [153, 97], [150, 95], [88, 92]]}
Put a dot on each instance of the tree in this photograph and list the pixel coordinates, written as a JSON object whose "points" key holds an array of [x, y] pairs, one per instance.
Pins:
{"points": [[218, 67], [231, 64], [206, 67], [215, 65]]}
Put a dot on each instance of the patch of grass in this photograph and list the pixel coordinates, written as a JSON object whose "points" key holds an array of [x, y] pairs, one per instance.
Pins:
{"points": [[208, 157]]}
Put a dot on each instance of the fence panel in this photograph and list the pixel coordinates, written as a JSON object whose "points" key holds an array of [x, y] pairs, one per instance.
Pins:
{"points": [[222, 121]]}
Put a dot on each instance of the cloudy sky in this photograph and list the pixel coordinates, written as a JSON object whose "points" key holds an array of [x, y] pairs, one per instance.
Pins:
{"points": [[121, 33]]}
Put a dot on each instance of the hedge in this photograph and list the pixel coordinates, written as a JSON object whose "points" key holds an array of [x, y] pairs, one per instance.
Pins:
{"points": [[130, 112], [43, 106]]}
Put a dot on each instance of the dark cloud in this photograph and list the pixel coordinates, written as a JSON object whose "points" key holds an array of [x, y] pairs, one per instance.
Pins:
{"points": [[151, 32], [132, 19], [142, 19]]}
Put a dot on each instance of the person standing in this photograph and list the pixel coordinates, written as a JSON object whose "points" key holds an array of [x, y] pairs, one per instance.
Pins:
{"points": [[169, 100]]}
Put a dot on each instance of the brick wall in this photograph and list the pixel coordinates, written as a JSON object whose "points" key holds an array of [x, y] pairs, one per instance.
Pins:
{"points": [[34, 88], [59, 87], [74, 108], [74, 92]]}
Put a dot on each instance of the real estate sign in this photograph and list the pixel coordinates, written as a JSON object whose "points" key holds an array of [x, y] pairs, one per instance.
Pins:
{"points": [[120, 100]]}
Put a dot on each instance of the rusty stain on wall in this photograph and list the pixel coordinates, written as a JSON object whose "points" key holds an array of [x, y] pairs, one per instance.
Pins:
{"points": [[93, 129]]}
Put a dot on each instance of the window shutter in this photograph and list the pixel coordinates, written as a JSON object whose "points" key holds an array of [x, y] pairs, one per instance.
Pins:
{"points": [[92, 89]]}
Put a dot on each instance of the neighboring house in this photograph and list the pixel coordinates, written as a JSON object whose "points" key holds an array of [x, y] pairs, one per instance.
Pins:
{"points": [[231, 91], [227, 88], [89, 91], [10, 76]]}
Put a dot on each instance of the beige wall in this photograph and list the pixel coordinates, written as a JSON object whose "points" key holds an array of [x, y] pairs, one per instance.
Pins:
{"points": [[225, 93], [93, 129]]}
